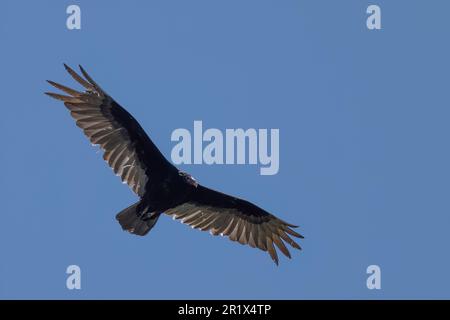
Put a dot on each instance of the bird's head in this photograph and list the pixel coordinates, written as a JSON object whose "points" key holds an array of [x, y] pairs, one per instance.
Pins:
{"points": [[188, 178]]}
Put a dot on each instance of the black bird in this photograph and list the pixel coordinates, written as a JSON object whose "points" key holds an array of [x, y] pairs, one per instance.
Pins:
{"points": [[161, 187]]}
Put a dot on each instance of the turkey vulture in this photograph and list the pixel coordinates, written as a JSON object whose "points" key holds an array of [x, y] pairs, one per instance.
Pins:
{"points": [[161, 187]]}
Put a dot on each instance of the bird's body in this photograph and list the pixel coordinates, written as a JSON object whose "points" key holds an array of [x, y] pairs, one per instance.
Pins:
{"points": [[161, 187]]}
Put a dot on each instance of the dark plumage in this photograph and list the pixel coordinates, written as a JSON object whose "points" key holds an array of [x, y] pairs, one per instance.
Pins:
{"points": [[161, 187]]}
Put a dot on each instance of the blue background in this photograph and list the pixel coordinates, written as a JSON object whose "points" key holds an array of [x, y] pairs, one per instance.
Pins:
{"points": [[364, 154]]}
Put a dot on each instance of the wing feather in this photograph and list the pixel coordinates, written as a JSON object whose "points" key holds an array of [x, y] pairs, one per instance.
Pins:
{"points": [[127, 148], [220, 224], [230, 226], [252, 237], [236, 230], [238, 219]]}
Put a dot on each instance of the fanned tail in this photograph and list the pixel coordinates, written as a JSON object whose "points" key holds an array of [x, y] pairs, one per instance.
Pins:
{"points": [[134, 220]]}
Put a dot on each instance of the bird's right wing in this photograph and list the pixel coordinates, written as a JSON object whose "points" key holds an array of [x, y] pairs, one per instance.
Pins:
{"points": [[238, 219], [127, 148]]}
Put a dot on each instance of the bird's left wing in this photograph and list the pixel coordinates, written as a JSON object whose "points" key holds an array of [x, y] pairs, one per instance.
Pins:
{"points": [[238, 219], [127, 148]]}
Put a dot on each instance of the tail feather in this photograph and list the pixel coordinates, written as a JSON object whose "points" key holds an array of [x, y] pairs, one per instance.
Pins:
{"points": [[131, 221]]}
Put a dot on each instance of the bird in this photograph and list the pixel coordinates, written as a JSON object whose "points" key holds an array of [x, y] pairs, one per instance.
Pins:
{"points": [[160, 186]]}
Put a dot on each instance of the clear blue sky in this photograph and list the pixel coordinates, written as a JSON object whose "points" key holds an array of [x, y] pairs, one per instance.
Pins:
{"points": [[364, 157]]}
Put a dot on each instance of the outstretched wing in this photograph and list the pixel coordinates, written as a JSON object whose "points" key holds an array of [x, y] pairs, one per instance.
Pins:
{"points": [[238, 219], [127, 148]]}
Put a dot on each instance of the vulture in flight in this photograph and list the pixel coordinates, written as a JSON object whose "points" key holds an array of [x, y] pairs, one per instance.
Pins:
{"points": [[161, 187]]}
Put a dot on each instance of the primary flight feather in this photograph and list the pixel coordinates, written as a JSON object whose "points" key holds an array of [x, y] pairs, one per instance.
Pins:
{"points": [[161, 187]]}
